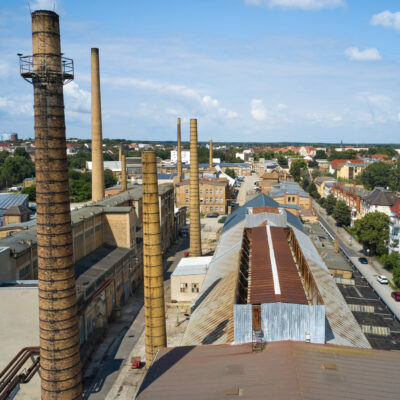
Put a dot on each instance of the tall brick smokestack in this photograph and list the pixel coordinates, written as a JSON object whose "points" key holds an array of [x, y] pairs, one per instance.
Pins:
{"points": [[211, 154], [123, 173], [119, 153], [179, 151], [194, 204], [60, 368], [154, 308], [97, 135]]}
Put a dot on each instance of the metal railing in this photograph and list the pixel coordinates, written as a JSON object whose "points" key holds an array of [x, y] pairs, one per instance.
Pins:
{"points": [[46, 66]]}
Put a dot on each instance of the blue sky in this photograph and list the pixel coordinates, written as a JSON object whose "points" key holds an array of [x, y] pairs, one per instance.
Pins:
{"points": [[249, 70]]}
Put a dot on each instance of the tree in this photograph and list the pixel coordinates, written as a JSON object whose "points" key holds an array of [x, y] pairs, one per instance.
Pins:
{"points": [[230, 172], [109, 179], [320, 155], [20, 151], [330, 204], [396, 276], [295, 168], [3, 155], [376, 174], [282, 160], [342, 213], [312, 189], [15, 169], [391, 261], [80, 186], [78, 160], [394, 177], [373, 231], [30, 191]]}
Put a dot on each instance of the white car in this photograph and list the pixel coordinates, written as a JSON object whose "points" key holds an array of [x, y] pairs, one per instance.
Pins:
{"points": [[382, 279]]}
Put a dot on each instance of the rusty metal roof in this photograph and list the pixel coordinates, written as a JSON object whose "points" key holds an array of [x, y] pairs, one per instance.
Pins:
{"points": [[261, 282], [271, 210], [283, 370]]}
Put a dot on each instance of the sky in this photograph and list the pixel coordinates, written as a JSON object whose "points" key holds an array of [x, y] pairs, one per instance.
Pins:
{"points": [[248, 70]]}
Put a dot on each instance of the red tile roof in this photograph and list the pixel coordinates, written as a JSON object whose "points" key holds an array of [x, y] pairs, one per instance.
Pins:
{"points": [[336, 163]]}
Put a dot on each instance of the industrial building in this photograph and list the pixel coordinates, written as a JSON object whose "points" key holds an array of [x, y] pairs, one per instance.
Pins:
{"points": [[215, 195], [271, 322]]}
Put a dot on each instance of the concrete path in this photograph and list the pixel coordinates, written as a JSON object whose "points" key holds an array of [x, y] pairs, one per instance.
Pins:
{"points": [[352, 250]]}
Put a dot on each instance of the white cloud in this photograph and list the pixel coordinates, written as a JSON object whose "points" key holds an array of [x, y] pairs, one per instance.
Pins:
{"points": [[370, 54], [258, 110], [44, 5], [299, 4], [77, 99], [387, 19], [21, 105], [208, 104]]}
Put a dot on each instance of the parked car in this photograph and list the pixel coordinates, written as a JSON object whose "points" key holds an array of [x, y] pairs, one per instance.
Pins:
{"points": [[382, 279], [213, 215], [363, 260], [396, 296]]}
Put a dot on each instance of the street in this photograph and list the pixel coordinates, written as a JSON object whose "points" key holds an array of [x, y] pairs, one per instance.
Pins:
{"points": [[369, 271]]}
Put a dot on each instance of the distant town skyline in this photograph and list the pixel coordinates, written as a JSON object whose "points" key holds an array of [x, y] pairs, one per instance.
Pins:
{"points": [[317, 71]]}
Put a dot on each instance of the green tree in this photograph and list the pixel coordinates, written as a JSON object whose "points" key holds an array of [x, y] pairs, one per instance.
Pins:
{"points": [[230, 172], [282, 160], [80, 186], [20, 151], [78, 160], [373, 231], [391, 261], [15, 169], [342, 155], [394, 177], [342, 213], [109, 179], [313, 191], [330, 204], [376, 174], [30, 191], [320, 155], [396, 276], [3, 155], [296, 167]]}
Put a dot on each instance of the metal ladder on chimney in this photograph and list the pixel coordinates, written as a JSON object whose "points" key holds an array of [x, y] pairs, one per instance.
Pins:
{"points": [[257, 340]]}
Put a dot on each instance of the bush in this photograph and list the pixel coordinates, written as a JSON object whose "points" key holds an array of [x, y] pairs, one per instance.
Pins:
{"points": [[30, 191]]}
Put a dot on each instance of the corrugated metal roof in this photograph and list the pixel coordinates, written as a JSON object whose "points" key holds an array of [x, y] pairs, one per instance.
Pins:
{"points": [[259, 201], [12, 199], [283, 370]]}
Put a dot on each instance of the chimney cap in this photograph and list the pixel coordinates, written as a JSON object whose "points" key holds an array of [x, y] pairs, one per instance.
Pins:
{"points": [[95, 50]]}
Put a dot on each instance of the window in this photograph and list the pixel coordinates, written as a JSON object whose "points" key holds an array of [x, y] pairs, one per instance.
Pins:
{"points": [[210, 191], [195, 288], [187, 200], [183, 287], [201, 191], [24, 272], [206, 199], [206, 191], [221, 200], [186, 190], [201, 199], [221, 209], [206, 208], [211, 208], [220, 191]]}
